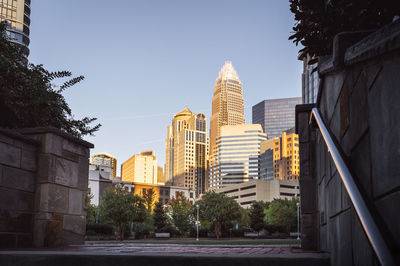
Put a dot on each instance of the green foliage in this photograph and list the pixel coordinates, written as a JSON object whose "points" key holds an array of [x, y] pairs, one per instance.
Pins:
{"points": [[159, 217], [256, 216], [120, 207], [181, 213], [99, 229], [219, 210], [283, 213], [28, 98], [91, 211], [318, 21]]}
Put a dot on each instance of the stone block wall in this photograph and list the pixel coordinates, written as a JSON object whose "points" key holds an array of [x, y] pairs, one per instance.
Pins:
{"points": [[18, 168], [359, 103], [51, 172]]}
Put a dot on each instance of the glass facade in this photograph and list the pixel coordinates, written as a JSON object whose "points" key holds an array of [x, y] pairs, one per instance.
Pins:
{"points": [[276, 115], [310, 81], [237, 155], [17, 14]]}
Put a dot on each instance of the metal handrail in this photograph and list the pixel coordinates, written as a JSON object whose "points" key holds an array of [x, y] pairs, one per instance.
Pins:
{"points": [[371, 229]]}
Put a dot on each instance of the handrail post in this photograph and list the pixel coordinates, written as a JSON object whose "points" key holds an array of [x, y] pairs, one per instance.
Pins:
{"points": [[371, 229]]}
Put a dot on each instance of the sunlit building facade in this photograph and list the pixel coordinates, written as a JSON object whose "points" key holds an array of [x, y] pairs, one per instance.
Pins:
{"points": [[286, 156], [227, 103], [186, 155], [142, 168], [275, 115], [261, 190], [237, 155], [107, 160], [17, 14]]}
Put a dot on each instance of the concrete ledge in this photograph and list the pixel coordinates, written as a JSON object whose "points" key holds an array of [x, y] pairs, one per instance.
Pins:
{"points": [[41, 130], [382, 41], [76, 258]]}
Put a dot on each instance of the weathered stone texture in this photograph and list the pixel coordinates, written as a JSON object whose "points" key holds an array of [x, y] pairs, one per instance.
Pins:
{"points": [[10, 155], [384, 113], [43, 186], [359, 103]]}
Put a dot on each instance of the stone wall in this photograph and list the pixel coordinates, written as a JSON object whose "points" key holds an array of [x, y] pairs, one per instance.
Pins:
{"points": [[18, 168], [44, 179], [359, 103]]}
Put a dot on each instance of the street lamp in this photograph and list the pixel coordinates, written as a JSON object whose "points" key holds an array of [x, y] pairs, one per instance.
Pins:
{"points": [[298, 220], [197, 222]]}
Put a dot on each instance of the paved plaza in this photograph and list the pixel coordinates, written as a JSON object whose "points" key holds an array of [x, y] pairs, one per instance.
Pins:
{"points": [[167, 254]]}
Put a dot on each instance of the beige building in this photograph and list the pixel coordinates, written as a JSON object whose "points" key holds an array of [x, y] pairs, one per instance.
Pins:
{"points": [[237, 155], [17, 14], [107, 160], [261, 190], [286, 157], [227, 104], [141, 168], [187, 151]]}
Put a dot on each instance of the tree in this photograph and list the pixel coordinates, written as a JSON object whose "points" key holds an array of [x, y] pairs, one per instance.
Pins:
{"points": [[29, 96], [219, 210], [318, 21], [91, 211], [160, 218], [256, 216], [283, 212], [181, 213], [149, 196], [120, 207]]}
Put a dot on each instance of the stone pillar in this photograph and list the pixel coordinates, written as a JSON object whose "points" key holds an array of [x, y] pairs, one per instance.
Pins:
{"points": [[61, 188], [307, 180]]}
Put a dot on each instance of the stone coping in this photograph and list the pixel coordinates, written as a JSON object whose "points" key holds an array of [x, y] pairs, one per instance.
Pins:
{"points": [[353, 47], [41, 130], [382, 41], [13, 133]]}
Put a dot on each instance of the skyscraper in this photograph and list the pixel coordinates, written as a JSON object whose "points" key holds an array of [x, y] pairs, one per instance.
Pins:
{"points": [[237, 155], [276, 115], [17, 14], [227, 104], [309, 80], [107, 160], [142, 168], [186, 151]]}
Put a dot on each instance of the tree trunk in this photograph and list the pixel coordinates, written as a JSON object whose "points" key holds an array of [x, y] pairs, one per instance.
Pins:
{"points": [[121, 231], [217, 229]]}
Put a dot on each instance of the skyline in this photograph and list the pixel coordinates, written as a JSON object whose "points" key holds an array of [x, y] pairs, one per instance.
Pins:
{"points": [[135, 86]]}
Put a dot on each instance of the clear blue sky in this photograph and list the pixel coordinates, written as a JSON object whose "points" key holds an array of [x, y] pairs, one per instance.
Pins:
{"points": [[144, 60]]}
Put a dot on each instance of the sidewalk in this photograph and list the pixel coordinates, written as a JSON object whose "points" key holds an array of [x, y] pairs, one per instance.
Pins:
{"points": [[165, 254]]}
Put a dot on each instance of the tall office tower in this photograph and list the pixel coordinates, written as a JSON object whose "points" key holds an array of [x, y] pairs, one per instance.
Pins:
{"points": [[227, 104], [275, 115], [286, 156], [105, 159], [237, 155], [309, 80], [186, 151], [141, 168], [17, 14], [267, 159]]}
